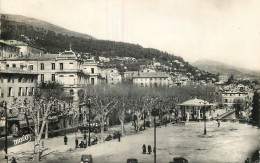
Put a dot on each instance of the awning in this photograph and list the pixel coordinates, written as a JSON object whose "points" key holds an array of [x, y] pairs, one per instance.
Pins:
{"points": [[196, 102], [23, 123]]}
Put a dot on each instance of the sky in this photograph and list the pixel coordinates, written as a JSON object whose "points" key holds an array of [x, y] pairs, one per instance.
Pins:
{"points": [[226, 31]]}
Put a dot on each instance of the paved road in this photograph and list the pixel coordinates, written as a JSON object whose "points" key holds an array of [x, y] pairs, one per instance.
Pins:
{"points": [[231, 142]]}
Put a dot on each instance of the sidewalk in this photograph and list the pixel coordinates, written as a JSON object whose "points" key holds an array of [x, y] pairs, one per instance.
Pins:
{"points": [[56, 144]]}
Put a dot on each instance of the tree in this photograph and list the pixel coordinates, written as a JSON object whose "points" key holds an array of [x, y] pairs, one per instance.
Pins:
{"points": [[256, 106], [46, 97]]}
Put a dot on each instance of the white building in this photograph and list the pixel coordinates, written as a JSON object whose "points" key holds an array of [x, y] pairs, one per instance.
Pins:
{"points": [[112, 76], [151, 79]]}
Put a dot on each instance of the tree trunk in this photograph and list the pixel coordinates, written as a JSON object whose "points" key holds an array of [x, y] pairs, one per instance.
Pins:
{"points": [[122, 127], [46, 130], [102, 128]]}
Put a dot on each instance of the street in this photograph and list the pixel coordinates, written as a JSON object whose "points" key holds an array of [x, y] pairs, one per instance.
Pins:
{"points": [[231, 142]]}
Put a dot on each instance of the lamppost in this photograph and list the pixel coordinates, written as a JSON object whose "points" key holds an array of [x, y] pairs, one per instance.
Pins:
{"points": [[155, 112], [204, 110], [6, 133], [144, 118], [88, 104]]}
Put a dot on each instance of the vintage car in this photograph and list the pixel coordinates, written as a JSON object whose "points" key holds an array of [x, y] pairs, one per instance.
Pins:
{"points": [[86, 159]]}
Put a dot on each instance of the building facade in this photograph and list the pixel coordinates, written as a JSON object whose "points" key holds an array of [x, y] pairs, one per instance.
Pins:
{"points": [[65, 68], [8, 51], [25, 49], [151, 79]]}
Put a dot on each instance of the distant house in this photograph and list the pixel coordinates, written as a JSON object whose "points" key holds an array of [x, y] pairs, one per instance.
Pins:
{"points": [[25, 49], [8, 50], [104, 59], [151, 79], [112, 76]]}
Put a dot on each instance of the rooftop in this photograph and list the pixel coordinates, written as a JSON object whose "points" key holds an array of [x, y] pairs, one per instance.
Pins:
{"points": [[16, 71], [150, 75]]}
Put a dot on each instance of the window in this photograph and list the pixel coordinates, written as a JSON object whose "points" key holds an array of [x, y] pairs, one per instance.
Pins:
{"points": [[42, 77], [71, 92], [61, 75], [42, 66], [226, 100], [30, 67], [32, 80], [9, 79], [61, 66], [19, 79], [52, 77], [53, 66], [32, 91], [26, 91], [92, 81], [92, 70], [10, 92], [21, 66], [20, 92], [7, 65]]}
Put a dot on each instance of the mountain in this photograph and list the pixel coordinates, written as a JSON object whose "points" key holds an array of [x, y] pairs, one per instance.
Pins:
{"points": [[54, 39], [41, 25], [224, 69]]}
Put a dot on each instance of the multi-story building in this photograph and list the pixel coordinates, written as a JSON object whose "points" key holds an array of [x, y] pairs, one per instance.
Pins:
{"points": [[151, 79], [17, 83], [91, 68], [128, 76], [25, 49], [112, 76], [17, 87], [8, 51], [64, 68], [236, 94]]}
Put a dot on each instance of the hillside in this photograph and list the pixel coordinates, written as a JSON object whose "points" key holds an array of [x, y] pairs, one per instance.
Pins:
{"points": [[53, 40], [221, 68], [41, 25]]}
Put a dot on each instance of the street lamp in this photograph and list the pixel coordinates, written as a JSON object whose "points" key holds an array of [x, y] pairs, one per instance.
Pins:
{"points": [[155, 112], [4, 104], [204, 110], [88, 104]]}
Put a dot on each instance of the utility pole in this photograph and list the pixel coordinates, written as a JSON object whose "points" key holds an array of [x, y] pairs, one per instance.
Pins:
{"points": [[89, 112], [155, 113], [205, 131], [144, 120], [6, 131]]}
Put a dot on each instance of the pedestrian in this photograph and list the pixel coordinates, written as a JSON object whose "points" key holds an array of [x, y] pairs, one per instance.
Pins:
{"points": [[65, 140], [13, 160], [85, 136], [119, 137], [149, 149], [76, 142], [81, 145], [144, 149], [218, 123]]}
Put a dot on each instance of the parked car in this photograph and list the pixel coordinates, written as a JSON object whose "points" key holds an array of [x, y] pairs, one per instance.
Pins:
{"points": [[179, 160], [132, 160], [86, 159]]}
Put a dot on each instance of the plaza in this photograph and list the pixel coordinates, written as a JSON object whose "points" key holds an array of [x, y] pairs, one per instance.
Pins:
{"points": [[231, 142]]}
